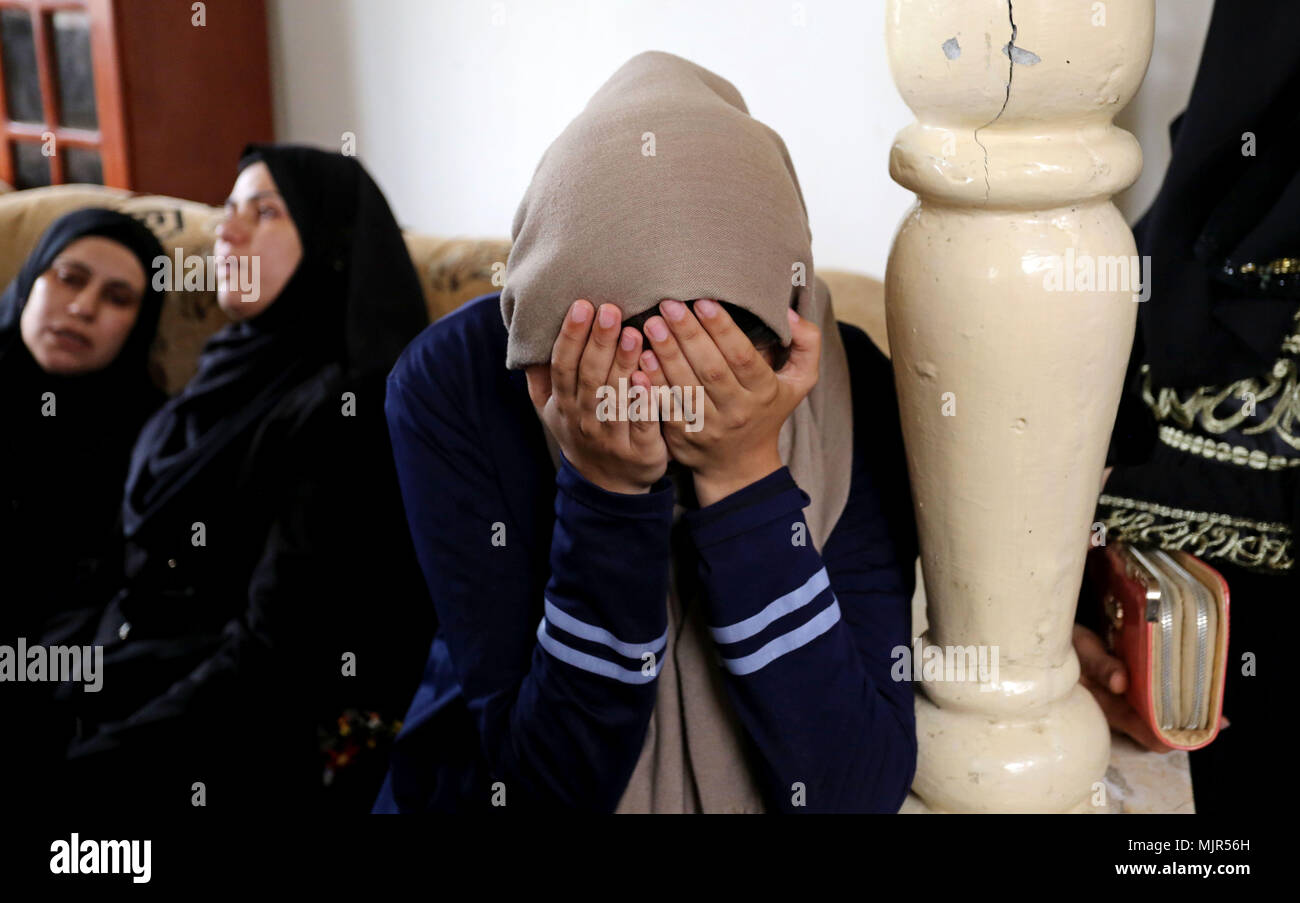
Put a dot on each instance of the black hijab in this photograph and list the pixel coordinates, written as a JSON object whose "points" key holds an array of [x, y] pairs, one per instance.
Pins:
{"points": [[1207, 322], [354, 301], [61, 476], [91, 399]]}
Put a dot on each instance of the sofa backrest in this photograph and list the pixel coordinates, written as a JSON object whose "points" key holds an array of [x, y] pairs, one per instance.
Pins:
{"points": [[451, 270]]}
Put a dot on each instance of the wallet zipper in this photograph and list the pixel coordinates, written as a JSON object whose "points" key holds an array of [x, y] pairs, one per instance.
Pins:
{"points": [[1202, 640], [1202, 637], [1163, 616]]}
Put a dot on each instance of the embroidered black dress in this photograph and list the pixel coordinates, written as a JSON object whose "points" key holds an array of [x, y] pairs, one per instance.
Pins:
{"points": [[1207, 442]]}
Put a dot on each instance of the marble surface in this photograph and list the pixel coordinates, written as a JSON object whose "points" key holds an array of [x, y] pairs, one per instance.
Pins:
{"points": [[1144, 782], [1138, 782]]}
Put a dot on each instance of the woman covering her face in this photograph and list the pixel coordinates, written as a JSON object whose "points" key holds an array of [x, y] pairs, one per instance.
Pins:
{"points": [[269, 583], [694, 613], [76, 325]]}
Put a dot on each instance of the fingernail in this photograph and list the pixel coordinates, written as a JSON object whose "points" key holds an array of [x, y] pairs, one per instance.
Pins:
{"points": [[607, 316], [628, 342], [1115, 682], [649, 361], [706, 308], [657, 328], [794, 317], [673, 310], [578, 312]]}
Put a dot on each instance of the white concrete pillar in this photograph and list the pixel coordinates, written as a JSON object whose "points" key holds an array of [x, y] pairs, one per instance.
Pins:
{"points": [[1008, 380]]}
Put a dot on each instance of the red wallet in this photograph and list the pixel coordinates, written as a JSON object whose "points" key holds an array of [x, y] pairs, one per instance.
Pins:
{"points": [[1168, 621]]}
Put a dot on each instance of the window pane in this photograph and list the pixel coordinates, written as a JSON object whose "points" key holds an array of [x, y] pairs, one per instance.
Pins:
{"points": [[31, 167], [76, 76], [82, 164], [22, 81]]}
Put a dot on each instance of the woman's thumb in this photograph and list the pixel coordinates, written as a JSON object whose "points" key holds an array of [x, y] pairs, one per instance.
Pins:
{"points": [[1102, 668]]}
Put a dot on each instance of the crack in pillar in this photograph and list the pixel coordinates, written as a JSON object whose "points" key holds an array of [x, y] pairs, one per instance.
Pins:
{"points": [[1011, 70]]}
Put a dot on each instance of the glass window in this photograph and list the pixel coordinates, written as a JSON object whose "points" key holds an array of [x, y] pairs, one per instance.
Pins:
{"points": [[82, 164], [76, 77], [22, 80], [31, 167]]}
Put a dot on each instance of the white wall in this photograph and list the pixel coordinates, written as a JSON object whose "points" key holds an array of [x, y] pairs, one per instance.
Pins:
{"points": [[453, 101], [1180, 33]]}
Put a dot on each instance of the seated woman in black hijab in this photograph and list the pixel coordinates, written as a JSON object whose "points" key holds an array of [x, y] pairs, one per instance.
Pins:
{"points": [[270, 584], [75, 329]]}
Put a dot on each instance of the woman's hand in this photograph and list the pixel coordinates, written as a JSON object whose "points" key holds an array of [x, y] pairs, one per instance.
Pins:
{"points": [[1103, 675], [618, 456], [734, 439]]}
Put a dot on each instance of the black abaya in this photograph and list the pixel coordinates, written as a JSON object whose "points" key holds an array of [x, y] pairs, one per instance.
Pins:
{"points": [[61, 476], [270, 581], [1207, 443]]}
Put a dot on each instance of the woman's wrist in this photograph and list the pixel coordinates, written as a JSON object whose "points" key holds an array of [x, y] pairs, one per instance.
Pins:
{"points": [[714, 487], [597, 477], [614, 484]]}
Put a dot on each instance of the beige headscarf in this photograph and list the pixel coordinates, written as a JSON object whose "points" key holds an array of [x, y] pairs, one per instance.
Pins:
{"points": [[665, 187]]}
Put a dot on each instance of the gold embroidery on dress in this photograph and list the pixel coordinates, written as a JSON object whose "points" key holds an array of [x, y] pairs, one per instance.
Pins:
{"points": [[1241, 541], [1283, 266], [1198, 410], [1223, 452]]}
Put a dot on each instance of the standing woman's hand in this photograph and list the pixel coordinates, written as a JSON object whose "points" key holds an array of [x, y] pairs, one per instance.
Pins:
{"points": [[745, 401], [618, 456], [1104, 676]]}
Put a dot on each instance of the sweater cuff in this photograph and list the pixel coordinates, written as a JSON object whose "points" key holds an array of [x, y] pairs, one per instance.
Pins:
{"points": [[649, 505], [774, 496], [768, 594]]}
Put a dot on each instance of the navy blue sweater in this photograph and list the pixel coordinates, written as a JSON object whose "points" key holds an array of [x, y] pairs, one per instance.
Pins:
{"points": [[550, 592]]}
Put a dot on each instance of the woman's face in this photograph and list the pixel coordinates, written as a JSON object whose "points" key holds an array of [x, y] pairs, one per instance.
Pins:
{"points": [[257, 247], [81, 310]]}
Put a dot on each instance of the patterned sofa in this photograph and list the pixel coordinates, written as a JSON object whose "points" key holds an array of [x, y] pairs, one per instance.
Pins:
{"points": [[452, 270]]}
